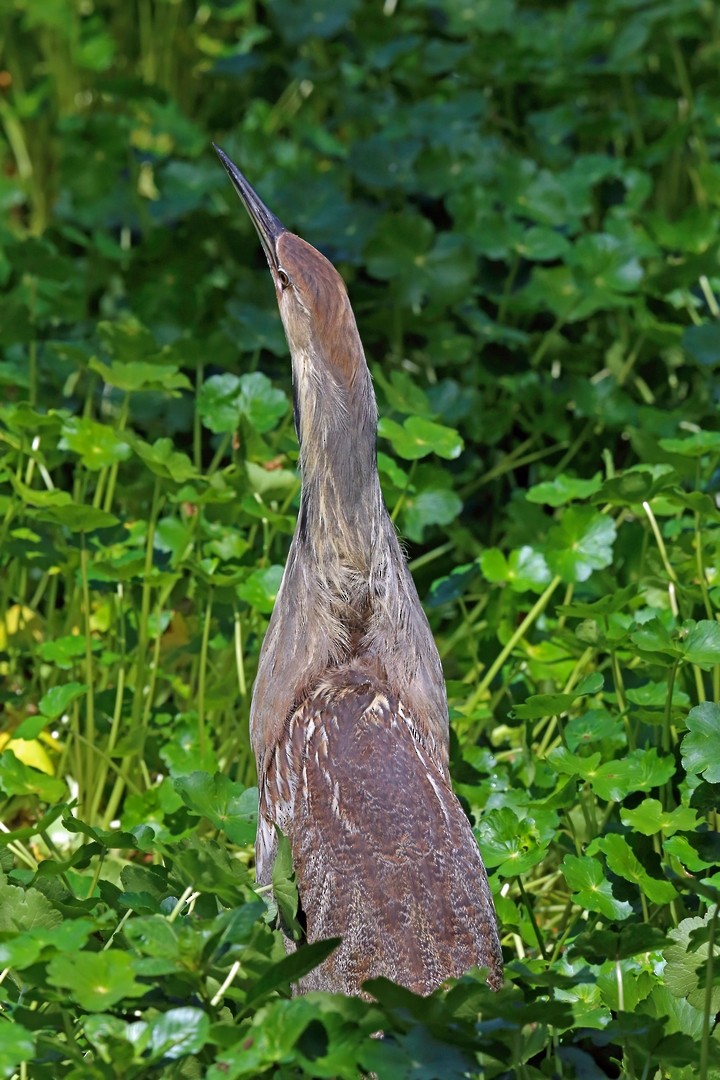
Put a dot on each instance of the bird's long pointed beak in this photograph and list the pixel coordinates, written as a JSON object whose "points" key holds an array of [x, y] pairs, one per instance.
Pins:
{"points": [[269, 228]]}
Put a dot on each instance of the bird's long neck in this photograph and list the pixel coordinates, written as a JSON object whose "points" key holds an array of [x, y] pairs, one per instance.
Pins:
{"points": [[341, 504], [336, 419]]}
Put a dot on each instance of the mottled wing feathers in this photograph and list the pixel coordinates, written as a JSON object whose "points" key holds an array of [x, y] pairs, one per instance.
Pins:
{"points": [[383, 853]]}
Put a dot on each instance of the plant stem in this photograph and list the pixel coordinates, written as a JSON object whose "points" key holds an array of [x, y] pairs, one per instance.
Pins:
{"points": [[89, 679], [531, 617], [202, 675]]}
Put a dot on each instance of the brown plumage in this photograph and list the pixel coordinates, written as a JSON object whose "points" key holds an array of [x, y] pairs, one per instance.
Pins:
{"points": [[349, 717]]}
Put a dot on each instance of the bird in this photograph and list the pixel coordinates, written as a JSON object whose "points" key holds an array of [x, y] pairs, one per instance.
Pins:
{"points": [[349, 716]]}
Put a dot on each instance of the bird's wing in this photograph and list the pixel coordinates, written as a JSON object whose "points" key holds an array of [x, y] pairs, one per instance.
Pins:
{"points": [[383, 852]]}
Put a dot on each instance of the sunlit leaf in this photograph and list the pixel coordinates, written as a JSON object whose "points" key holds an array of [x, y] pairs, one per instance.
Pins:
{"points": [[56, 701], [622, 861], [640, 770], [563, 489], [700, 748], [581, 542], [229, 806], [97, 444], [261, 587], [649, 818], [97, 980], [417, 437], [591, 889]]}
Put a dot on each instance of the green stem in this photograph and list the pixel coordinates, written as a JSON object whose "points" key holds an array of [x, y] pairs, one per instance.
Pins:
{"points": [[117, 711], [531, 617], [89, 677], [202, 675], [239, 658], [531, 916]]}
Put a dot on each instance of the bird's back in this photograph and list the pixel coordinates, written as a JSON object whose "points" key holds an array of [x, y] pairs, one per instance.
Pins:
{"points": [[384, 855]]}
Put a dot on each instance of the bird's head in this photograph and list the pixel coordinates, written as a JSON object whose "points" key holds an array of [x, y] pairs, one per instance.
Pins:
{"points": [[313, 301]]}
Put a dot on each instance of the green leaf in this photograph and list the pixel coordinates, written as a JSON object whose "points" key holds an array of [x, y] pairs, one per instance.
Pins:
{"points": [[229, 806], [572, 764], [26, 910], [224, 399], [299, 20], [261, 402], [608, 262], [511, 844], [163, 460], [595, 725], [96, 981], [63, 651], [445, 590], [429, 507], [622, 860], [153, 935], [56, 701], [563, 489], [703, 343], [525, 570], [640, 770], [700, 748], [17, 1045], [682, 849], [649, 818], [97, 444], [541, 244], [261, 587], [598, 946], [606, 605], [681, 973], [591, 889], [78, 518], [178, 1032], [284, 887], [654, 637], [540, 705], [640, 483], [694, 446], [654, 695], [140, 375], [580, 543], [19, 779], [290, 969], [702, 644], [418, 437]]}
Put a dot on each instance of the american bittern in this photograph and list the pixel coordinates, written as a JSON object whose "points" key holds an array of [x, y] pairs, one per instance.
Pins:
{"points": [[349, 719]]}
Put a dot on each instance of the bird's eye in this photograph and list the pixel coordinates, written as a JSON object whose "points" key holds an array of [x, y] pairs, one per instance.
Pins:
{"points": [[283, 277]]}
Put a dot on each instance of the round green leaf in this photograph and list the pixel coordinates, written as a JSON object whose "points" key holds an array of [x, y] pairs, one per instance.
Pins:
{"points": [[178, 1032], [97, 444], [640, 770], [563, 489], [650, 818], [56, 701], [261, 587], [229, 806], [429, 507], [591, 889], [418, 437], [700, 748], [96, 981], [19, 779], [580, 543], [17, 1044], [703, 343]]}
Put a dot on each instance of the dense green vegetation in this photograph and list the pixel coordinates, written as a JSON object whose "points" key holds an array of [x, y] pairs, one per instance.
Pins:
{"points": [[524, 199]]}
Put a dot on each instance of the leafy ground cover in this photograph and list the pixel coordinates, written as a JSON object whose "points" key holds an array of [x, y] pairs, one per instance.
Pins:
{"points": [[524, 199]]}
